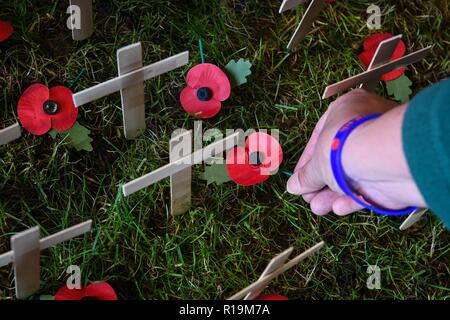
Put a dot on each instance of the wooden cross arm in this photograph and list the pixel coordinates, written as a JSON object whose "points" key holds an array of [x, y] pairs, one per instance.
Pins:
{"points": [[6, 258], [10, 133], [52, 240], [375, 73], [130, 79], [66, 234], [179, 165], [264, 281]]}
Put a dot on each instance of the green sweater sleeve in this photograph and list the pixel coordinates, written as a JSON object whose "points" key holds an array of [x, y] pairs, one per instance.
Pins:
{"points": [[426, 143]]}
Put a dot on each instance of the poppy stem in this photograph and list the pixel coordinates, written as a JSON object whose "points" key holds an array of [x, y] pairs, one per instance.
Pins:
{"points": [[118, 197], [200, 45], [77, 78], [286, 172]]}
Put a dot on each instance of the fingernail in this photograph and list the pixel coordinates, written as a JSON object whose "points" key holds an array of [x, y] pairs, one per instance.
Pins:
{"points": [[288, 189], [291, 185]]}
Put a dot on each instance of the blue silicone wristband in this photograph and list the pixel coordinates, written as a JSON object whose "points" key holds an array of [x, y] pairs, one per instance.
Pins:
{"points": [[338, 171]]}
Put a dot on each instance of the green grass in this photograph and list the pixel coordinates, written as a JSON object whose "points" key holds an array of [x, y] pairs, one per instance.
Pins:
{"points": [[226, 240]]}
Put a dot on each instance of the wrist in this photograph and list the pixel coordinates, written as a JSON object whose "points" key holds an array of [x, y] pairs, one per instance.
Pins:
{"points": [[375, 164], [356, 154]]}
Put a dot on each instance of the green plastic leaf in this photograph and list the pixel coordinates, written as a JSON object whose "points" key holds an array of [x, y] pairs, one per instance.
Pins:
{"points": [[77, 137], [215, 173], [400, 88], [53, 134], [46, 297], [238, 71]]}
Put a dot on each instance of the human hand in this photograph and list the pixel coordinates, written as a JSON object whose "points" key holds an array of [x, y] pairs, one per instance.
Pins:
{"points": [[372, 158]]}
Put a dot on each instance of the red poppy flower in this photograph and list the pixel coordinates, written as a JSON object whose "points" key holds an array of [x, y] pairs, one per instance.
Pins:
{"points": [[271, 297], [254, 164], [370, 47], [6, 30], [41, 109], [207, 87], [94, 291]]}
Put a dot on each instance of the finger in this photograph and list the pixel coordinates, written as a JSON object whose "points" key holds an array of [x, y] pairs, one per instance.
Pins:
{"points": [[306, 180], [309, 196], [322, 203], [309, 149], [345, 205]]}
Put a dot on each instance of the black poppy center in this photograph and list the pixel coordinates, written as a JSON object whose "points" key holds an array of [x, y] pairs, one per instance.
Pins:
{"points": [[204, 94], [50, 107], [256, 158], [88, 298]]}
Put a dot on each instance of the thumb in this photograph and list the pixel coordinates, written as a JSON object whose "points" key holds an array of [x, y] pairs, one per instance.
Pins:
{"points": [[306, 180]]}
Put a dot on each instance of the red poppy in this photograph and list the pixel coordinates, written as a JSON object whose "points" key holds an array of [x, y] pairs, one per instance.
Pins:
{"points": [[370, 47], [6, 30], [254, 164], [207, 87], [271, 297], [94, 291], [41, 109]]}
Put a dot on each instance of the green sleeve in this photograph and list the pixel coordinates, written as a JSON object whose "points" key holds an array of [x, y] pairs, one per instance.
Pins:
{"points": [[426, 143]]}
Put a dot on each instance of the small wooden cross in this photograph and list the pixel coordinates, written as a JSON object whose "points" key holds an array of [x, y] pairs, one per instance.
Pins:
{"points": [[383, 55], [130, 83], [311, 14], [379, 65], [25, 254], [275, 267], [179, 169]]}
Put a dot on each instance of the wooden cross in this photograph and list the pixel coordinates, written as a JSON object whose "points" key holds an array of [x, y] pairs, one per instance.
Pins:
{"points": [[86, 17], [275, 267], [379, 65], [25, 254], [179, 169], [382, 55], [311, 14], [10, 133], [130, 83]]}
